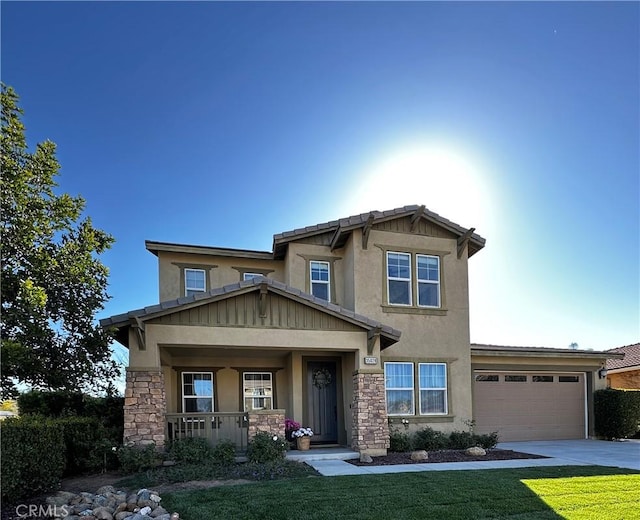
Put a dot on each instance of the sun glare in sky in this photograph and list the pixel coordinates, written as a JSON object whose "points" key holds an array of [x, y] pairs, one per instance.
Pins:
{"points": [[446, 180]]}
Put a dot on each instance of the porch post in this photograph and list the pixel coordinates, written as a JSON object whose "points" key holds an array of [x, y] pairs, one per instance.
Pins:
{"points": [[270, 421], [144, 407], [370, 433]]}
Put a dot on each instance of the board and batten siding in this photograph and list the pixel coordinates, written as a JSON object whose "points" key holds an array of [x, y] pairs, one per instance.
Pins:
{"points": [[244, 311]]}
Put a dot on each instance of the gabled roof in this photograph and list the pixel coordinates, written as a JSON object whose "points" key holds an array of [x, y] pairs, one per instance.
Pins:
{"points": [[501, 350], [631, 358], [342, 227], [121, 321]]}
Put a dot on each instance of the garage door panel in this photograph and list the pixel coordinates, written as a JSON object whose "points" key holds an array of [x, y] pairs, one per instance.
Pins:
{"points": [[541, 407]]}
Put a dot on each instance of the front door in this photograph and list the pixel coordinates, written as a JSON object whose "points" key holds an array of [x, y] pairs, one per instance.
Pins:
{"points": [[322, 405]]}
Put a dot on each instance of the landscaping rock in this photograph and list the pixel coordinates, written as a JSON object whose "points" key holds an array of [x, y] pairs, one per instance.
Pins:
{"points": [[419, 455], [159, 511], [365, 458], [475, 451], [103, 513], [109, 504]]}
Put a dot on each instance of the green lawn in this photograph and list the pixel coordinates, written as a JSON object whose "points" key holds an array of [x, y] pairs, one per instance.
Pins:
{"points": [[569, 492]]}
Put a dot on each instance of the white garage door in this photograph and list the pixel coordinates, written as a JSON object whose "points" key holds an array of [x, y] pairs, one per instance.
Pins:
{"points": [[526, 406]]}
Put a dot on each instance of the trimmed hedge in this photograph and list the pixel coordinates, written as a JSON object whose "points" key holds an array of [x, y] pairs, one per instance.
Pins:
{"points": [[432, 440], [108, 410], [617, 413], [87, 447], [33, 460]]}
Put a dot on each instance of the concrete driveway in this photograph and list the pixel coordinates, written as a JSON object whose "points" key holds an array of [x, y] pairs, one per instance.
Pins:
{"points": [[621, 454]]}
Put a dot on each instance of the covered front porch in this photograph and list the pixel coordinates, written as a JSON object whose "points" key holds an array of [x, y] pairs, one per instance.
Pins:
{"points": [[228, 393], [239, 360]]}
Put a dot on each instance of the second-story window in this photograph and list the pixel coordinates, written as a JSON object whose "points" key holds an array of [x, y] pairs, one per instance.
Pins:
{"points": [[320, 281], [194, 281], [251, 276], [428, 274], [399, 278]]}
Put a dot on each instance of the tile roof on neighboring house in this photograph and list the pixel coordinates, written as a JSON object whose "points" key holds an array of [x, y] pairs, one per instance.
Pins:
{"points": [[493, 350], [122, 320], [631, 357], [345, 225]]}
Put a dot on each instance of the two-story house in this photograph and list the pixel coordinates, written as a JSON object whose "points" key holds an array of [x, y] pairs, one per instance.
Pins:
{"points": [[349, 327]]}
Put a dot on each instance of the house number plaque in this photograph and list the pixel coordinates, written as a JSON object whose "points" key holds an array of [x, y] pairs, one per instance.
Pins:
{"points": [[371, 361]]}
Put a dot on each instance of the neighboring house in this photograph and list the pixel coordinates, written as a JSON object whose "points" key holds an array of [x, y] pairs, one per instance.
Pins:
{"points": [[624, 373], [349, 327]]}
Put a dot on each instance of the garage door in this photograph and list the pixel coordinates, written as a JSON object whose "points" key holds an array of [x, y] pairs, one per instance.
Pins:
{"points": [[526, 406]]}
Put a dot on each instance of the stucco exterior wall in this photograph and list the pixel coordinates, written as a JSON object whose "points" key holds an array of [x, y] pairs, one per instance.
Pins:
{"points": [[297, 270], [222, 271], [427, 335]]}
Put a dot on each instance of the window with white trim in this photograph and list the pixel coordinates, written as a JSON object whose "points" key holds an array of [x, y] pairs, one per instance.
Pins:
{"points": [[197, 392], [194, 281], [428, 275], [251, 276], [398, 382], [432, 380], [398, 278], [257, 391], [320, 279]]}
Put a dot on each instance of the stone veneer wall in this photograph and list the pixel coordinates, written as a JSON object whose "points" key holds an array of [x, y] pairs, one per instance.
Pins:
{"points": [[271, 421], [144, 408], [370, 430]]}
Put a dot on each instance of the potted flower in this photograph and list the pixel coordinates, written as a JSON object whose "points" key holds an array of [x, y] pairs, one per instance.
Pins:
{"points": [[290, 426], [303, 438]]}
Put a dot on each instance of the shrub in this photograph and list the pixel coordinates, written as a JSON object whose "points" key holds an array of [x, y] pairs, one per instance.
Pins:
{"points": [[459, 440], [134, 459], [191, 450], [617, 413], [225, 452], [429, 439], [399, 441], [86, 447], [486, 441], [32, 455], [108, 410], [265, 447]]}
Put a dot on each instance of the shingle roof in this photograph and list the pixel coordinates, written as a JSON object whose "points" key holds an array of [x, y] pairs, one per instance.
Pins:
{"points": [[355, 221], [631, 357], [121, 320]]}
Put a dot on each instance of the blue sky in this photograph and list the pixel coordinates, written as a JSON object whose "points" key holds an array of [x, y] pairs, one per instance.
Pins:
{"points": [[224, 123]]}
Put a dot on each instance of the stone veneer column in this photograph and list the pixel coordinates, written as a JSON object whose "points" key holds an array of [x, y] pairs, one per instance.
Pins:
{"points": [[144, 408], [370, 433], [271, 421]]}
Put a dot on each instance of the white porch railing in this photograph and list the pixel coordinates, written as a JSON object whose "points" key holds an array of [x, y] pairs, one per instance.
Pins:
{"points": [[214, 427]]}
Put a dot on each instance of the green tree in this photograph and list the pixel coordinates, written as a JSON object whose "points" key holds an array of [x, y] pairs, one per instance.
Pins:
{"points": [[52, 281]]}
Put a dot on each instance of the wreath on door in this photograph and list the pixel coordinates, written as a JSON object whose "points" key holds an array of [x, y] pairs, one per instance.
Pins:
{"points": [[321, 378]]}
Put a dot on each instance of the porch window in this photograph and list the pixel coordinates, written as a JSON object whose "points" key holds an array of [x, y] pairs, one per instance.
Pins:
{"points": [[428, 274], [398, 379], [257, 389], [433, 388], [320, 280], [399, 278], [194, 281], [197, 392]]}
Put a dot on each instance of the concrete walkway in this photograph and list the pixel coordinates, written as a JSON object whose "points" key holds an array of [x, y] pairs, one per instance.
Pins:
{"points": [[562, 453]]}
